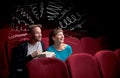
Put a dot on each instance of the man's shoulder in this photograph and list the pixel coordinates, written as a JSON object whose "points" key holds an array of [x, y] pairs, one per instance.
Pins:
{"points": [[42, 42], [23, 43]]}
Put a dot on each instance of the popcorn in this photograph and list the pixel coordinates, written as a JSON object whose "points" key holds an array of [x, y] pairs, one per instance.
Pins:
{"points": [[47, 54]]}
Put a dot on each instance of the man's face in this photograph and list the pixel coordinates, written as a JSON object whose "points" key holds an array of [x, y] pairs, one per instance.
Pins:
{"points": [[36, 34]]}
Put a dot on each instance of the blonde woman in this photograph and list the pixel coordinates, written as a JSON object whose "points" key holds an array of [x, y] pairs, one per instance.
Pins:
{"points": [[57, 45]]}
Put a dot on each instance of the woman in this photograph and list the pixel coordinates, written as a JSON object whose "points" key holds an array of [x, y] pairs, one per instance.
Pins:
{"points": [[57, 45]]}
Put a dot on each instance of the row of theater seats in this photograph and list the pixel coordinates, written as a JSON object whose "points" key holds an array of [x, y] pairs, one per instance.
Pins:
{"points": [[104, 64], [5, 56], [85, 44], [13, 38]]}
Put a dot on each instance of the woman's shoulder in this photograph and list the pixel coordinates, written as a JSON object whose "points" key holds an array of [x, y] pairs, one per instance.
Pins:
{"points": [[67, 45], [50, 47]]}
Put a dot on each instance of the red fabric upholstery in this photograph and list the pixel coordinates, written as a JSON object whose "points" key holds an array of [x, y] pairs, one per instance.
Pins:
{"points": [[11, 44], [47, 68], [108, 63], [82, 65], [103, 42], [117, 53], [15, 38], [89, 45], [74, 42], [4, 71], [46, 32], [46, 41], [4, 35]]}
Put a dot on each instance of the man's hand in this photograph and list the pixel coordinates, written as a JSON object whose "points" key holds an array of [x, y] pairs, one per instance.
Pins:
{"points": [[35, 54], [53, 56]]}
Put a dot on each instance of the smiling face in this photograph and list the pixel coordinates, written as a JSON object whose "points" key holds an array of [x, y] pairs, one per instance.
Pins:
{"points": [[36, 33], [58, 38]]}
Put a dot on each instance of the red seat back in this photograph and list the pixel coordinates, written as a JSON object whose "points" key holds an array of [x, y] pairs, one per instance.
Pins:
{"points": [[89, 45], [47, 68], [117, 53], [103, 42], [108, 64], [4, 71], [4, 34], [82, 65], [74, 43], [14, 39], [46, 41]]}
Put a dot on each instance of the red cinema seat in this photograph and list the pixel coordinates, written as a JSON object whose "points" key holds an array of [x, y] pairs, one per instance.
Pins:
{"points": [[4, 34], [47, 68], [74, 43], [117, 52], [103, 42], [15, 38], [108, 64], [89, 45], [82, 65], [46, 41], [4, 70], [46, 32]]}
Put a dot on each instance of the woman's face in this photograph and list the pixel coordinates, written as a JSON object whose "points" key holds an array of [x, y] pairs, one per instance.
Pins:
{"points": [[59, 38]]}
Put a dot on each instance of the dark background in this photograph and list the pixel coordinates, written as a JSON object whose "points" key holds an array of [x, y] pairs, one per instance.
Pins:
{"points": [[102, 16]]}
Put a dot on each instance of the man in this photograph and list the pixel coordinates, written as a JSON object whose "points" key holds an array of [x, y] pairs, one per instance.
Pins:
{"points": [[26, 51]]}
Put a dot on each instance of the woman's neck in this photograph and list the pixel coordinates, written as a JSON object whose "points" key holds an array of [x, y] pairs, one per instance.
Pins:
{"points": [[60, 46]]}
